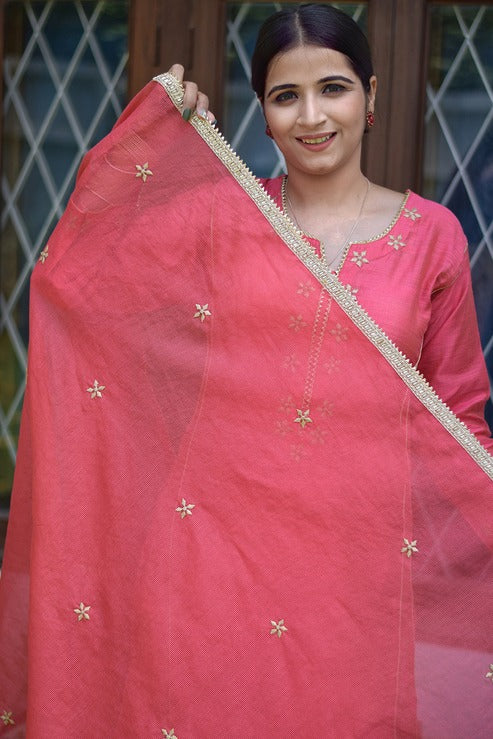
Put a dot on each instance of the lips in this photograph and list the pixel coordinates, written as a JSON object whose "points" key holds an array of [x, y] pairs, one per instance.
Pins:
{"points": [[315, 140]]}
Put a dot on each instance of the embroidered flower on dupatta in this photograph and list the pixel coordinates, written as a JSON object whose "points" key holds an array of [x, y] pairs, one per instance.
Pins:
{"points": [[303, 417], [143, 171], [489, 674], [185, 509], [409, 547], [43, 256], [82, 612], [278, 628], [202, 311], [96, 390], [169, 734], [7, 719]]}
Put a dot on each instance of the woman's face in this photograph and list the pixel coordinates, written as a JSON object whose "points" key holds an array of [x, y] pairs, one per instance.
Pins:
{"points": [[316, 108]]}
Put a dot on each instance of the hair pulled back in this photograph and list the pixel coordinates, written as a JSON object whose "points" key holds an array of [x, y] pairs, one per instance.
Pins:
{"points": [[314, 24]]}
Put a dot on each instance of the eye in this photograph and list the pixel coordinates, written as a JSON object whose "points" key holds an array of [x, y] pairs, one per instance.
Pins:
{"points": [[284, 96], [333, 87]]}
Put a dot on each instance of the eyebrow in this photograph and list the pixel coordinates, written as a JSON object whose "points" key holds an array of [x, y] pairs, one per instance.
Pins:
{"points": [[291, 85]]}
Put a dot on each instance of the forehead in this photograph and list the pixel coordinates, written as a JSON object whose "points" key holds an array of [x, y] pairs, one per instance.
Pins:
{"points": [[306, 63]]}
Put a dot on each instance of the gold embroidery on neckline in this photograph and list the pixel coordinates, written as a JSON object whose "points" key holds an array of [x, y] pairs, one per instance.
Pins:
{"points": [[391, 224], [414, 380]]}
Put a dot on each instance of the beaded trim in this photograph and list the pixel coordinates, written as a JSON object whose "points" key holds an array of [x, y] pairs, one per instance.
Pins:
{"points": [[414, 380]]}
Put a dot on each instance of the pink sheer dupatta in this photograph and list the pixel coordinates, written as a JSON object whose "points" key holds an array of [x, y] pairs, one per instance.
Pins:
{"points": [[191, 551]]}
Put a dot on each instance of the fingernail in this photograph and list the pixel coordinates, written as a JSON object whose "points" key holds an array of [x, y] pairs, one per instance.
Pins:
{"points": [[214, 122], [186, 114], [202, 114]]}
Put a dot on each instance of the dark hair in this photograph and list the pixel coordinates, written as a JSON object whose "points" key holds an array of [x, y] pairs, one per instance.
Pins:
{"points": [[318, 25]]}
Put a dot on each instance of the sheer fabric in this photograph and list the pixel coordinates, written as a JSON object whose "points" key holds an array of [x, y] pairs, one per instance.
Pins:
{"points": [[193, 550]]}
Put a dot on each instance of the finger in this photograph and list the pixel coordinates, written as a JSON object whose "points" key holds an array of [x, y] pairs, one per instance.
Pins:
{"points": [[177, 70], [202, 104], [189, 99]]}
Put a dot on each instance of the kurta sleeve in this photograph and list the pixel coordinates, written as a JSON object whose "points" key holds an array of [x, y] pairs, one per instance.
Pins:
{"points": [[451, 359]]}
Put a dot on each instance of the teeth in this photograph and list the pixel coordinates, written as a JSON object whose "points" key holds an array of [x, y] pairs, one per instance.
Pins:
{"points": [[320, 140]]}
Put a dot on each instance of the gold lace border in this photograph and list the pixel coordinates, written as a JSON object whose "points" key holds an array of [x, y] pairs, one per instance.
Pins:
{"points": [[414, 380]]}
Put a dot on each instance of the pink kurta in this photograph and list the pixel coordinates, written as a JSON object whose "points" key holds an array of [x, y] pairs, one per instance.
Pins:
{"points": [[414, 280], [238, 510]]}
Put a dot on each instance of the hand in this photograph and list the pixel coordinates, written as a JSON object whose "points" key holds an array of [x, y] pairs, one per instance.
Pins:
{"points": [[193, 99]]}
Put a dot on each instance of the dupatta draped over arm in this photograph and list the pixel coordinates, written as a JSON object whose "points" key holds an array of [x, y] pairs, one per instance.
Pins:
{"points": [[192, 552]]}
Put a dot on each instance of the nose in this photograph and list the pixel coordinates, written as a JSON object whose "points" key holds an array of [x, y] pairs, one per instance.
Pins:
{"points": [[312, 111]]}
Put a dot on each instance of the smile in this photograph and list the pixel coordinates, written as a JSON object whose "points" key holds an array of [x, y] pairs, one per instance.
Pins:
{"points": [[317, 140]]}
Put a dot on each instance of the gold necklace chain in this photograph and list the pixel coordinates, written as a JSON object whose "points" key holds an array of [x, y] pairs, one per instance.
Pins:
{"points": [[347, 241]]}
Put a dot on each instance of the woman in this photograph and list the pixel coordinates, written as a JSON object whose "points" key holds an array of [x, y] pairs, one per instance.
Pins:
{"points": [[239, 509]]}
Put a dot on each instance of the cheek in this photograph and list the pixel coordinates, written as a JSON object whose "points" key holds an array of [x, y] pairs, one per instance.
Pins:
{"points": [[280, 120]]}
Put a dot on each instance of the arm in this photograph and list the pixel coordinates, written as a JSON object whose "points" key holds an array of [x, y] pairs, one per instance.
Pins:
{"points": [[452, 360]]}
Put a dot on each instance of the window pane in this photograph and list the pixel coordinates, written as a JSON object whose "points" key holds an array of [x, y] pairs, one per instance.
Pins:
{"points": [[458, 160], [64, 72]]}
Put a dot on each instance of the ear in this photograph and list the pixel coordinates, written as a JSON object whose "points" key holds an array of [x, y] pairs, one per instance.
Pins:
{"points": [[372, 93]]}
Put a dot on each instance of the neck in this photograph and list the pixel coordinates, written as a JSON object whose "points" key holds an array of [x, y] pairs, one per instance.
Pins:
{"points": [[332, 194]]}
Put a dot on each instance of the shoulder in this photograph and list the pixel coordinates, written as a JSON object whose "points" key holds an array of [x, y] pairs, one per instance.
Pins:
{"points": [[437, 214], [442, 235]]}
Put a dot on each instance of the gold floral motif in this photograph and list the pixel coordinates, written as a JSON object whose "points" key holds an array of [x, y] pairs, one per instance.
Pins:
{"points": [[96, 390], [396, 242], [489, 674], [169, 734], [305, 289], [43, 255], [296, 323], [295, 242], [412, 214], [339, 332], [409, 547], [7, 719], [202, 311], [303, 417], [185, 509], [278, 628], [359, 258], [82, 612], [143, 171]]}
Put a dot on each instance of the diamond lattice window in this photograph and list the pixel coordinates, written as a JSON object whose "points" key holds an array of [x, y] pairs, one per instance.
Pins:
{"points": [[64, 72], [458, 162]]}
